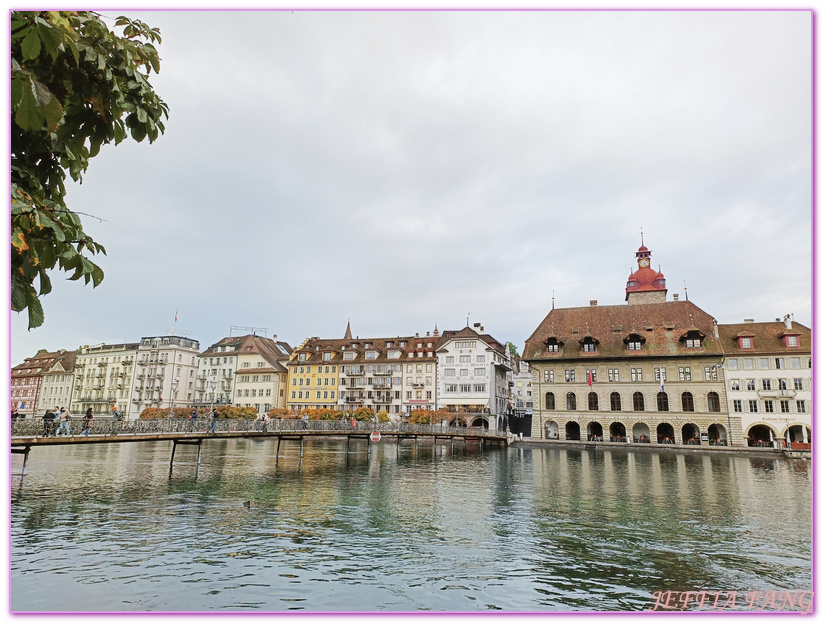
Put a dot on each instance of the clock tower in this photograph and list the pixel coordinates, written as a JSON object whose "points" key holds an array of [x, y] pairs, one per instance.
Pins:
{"points": [[645, 285]]}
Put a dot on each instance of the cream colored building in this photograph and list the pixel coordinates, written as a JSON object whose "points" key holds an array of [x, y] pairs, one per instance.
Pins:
{"points": [[768, 376], [165, 376], [103, 376], [57, 382]]}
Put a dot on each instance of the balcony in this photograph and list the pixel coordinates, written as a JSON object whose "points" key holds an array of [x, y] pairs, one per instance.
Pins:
{"points": [[386, 373], [102, 364], [383, 399], [351, 399], [418, 385], [382, 385], [354, 372]]}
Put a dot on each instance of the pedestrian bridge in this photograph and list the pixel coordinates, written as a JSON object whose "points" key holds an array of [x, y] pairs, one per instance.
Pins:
{"points": [[27, 435]]}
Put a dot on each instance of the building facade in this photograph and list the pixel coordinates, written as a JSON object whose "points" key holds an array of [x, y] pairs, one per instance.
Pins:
{"points": [[26, 381], [260, 380], [767, 370], [473, 376], [103, 377], [166, 367], [57, 382], [647, 371]]}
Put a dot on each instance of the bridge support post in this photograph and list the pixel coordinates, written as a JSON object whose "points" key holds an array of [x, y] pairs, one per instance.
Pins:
{"points": [[197, 442], [25, 452], [277, 452], [301, 446]]}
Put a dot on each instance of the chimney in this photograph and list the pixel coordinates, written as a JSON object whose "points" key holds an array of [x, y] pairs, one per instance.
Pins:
{"points": [[788, 320], [748, 319], [476, 325], [416, 335], [676, 297], [274, 337], [593, 303], [715, 331], [482, 329], [428, 334]]}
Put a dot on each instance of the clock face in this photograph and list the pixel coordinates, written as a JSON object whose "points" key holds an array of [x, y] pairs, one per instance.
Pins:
{"points": [[643, 263]]}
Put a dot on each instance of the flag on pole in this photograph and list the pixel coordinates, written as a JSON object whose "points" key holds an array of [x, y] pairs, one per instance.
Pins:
{"points": [[175, 315], [589, 374]]}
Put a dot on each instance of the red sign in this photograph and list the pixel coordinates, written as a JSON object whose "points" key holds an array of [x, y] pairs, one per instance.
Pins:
{"points": [[375, 436]]}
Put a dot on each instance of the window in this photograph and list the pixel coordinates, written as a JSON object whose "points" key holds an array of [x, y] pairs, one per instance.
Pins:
{"points": [[464, 372], [710, 373], [684, 373], [553, 348], [738, 406], [593, 401], [571, 402], [301, 357], [634, 344], [792, 342], [465, 358], [767, 384], [688, 401], [784, 406], [750, 386], [549, 401], [660, 375], [782, 384], [764, 363], [801, 406], [614, 375], [326, 356], [371, 354], [450, 372], [292, 394], [481, 358], [714, 402], [451, 389], [588, 347], [246, 364], [768, 406], [636, 374], [693, 342], [732, 364], [745, 342], [569, 376], [795, 363], [752, 406], [450, 359], [639, 402], [480, 372], [779, 363], [465, 388], [479, 388], [748, 364], [798, 384], [735, 384], [548, 376], [614, 401]]}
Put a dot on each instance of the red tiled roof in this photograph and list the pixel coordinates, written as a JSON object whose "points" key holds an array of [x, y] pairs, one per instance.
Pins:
{"points": [[766, 337], [662, 325]]}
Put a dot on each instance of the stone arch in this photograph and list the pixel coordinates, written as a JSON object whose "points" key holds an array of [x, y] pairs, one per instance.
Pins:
{"points": [[552, 430], [794, 433], [480, 421], [690, 434], [573, 431], [665, 433], [594, 431], [640, 433], [617, 431], [458, 422], [760, 434], [718, 435]]}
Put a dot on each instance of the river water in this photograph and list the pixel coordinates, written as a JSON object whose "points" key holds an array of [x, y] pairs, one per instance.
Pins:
{"points": [[108, 528]]}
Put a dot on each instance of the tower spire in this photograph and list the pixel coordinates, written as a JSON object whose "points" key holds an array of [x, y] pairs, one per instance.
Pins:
{"points": [[348, 330]]}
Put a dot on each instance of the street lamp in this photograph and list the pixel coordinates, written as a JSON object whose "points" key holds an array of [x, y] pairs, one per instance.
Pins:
{"points": [[173, 393]]}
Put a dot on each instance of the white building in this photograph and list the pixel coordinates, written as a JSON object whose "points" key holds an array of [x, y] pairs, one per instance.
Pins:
{"points": [[103, 376], [260, 379], [767, 370], [162, 360], [57, 382], [473, 375]]}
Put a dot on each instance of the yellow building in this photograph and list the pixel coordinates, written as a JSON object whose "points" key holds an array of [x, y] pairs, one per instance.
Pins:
{"points": [[313, 376]]}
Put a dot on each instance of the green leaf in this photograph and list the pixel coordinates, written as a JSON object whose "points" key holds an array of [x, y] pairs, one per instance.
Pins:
{"points": [[18, 241], [27, 115], [31, 45], [18, 295], [45, 282], [35, 309]]}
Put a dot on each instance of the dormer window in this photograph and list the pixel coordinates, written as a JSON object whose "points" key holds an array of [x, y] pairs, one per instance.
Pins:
{"points": [[791, 341], [745, 343], [589, 344], [326, 356], [553, 345], [693, 339], [302, 357], [372, 354], [634, 342]]}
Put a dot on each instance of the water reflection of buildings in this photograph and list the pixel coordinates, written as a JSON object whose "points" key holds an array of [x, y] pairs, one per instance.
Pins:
{"points": [[665, 372]]}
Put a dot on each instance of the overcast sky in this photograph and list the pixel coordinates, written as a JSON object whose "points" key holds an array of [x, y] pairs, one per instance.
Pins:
{"points": [[401, 169]]}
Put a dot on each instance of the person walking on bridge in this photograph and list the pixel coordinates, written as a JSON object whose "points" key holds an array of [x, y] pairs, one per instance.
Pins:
{"points": [[88, 420], [116, 418], [193, 419], [65, 423], [214, 416]]}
